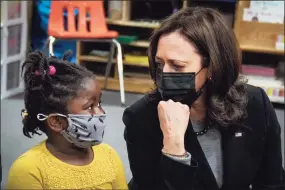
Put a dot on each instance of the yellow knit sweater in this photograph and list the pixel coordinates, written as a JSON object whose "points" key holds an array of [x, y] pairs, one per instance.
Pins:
{"points": [[39, 169]]}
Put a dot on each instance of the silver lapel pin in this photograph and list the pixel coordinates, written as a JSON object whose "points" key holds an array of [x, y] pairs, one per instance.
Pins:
{"points": [[239, 134]]}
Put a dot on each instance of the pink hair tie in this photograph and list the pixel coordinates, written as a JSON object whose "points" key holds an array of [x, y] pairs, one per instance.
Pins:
{"points": [[51, 72]]}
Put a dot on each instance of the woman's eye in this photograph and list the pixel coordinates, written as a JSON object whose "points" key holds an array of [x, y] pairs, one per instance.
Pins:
{"points": [[177, 67]]}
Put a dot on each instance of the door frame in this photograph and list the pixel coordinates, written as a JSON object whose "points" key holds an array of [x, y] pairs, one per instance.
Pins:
{"points": [[5, 59]]}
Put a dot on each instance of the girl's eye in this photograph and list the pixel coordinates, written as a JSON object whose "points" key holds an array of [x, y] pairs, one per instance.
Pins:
{"points": [[91, 107]]}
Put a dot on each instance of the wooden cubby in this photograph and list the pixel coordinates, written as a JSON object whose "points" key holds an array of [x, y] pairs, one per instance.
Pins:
{"points": [[255, 36], [136, 74], [257, 42]]}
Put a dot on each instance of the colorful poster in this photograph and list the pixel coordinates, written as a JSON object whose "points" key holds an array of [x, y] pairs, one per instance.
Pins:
{"points": [[262, 16], [271, 6]]}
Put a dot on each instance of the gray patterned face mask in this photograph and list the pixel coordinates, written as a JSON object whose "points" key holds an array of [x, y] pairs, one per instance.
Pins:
{"points": [[83, 131]]}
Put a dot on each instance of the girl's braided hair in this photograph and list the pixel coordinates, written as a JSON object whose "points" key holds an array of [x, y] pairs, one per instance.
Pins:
{"points": [[45, 93]]}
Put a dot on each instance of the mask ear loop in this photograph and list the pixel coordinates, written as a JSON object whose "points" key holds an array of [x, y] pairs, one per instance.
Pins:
{"points": [[202, 88], [205, 65], [200, 71], [41, 117]]}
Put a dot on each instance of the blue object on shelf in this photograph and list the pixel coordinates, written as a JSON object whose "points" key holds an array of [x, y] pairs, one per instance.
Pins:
{"points": [[39, 31]]}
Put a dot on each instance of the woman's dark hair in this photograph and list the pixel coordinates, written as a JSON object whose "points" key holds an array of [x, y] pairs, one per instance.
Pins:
{"points": [[46, 93], [206, 29]]}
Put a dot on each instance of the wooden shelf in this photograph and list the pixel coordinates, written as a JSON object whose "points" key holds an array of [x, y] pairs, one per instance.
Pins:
{"points": [[134, 85], [256, 36], [269, 84], [140, 43], [93, 58], [137, 75], [275, 99], [134, 80], [144, 85], [104, 60], [140, 24], [258, 49]]}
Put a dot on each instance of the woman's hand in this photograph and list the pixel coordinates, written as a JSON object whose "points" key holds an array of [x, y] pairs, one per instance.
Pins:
{"points": [[174, 119]]}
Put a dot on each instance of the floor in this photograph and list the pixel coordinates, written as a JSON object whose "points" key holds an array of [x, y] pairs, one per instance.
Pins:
{"points": [[14, 143]]}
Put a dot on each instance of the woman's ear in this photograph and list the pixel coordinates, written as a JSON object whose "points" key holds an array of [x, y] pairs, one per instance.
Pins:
{"points": [[206, 62], [57, 123]]}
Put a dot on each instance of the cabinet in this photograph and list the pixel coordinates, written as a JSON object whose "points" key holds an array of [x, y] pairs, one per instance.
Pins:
{"points": [[13, 45]]}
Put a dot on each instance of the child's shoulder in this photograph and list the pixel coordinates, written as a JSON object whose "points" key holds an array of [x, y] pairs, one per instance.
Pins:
{"points": [[106, 152], [33, 152], [30, 157], [105, 149], [28, 161]]}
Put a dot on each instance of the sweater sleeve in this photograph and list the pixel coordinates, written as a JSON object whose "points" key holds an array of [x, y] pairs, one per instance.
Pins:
{"points": [[185, 160], [24, 174]]}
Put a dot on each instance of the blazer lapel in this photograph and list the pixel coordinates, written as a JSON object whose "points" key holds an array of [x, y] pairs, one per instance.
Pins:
{"points": [[241, 148], [204, 175]]}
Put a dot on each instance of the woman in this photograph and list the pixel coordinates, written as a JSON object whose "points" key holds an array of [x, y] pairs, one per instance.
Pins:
{"points": [[202, 128]]}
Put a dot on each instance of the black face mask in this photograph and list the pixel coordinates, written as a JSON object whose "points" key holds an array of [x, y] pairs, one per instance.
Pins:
{"points": [[179, 87]]}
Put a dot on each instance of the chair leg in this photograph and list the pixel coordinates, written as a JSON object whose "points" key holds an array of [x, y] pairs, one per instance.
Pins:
{"points": [[109, 64], [51, 41], [120, 70]]}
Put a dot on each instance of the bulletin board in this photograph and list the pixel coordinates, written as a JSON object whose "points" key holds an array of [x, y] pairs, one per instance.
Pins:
{"points": [[255, 36]]}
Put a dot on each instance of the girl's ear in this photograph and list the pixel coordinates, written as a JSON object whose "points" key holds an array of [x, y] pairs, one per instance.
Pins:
{"points": [[57, 123]]}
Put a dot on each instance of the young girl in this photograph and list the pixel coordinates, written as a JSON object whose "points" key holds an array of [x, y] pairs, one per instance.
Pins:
{"points": [[63, 101]]}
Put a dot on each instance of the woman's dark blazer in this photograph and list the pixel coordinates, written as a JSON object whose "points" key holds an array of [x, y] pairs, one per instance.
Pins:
{"points": [[252, 159]]}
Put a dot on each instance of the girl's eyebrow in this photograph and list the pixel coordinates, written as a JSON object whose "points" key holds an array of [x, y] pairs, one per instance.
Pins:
{"points": [[86, 104], [95, 97]]}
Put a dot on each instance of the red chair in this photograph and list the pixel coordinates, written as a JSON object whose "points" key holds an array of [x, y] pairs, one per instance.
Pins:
{"points": [[88, 11]]}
